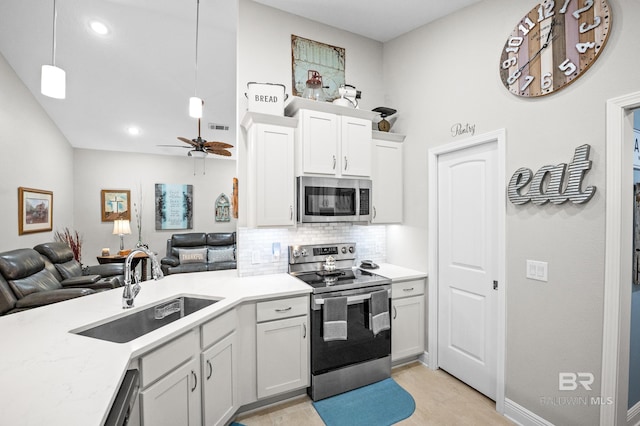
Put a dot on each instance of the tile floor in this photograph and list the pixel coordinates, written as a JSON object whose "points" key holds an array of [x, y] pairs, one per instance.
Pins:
{"points": [[441, 399]]}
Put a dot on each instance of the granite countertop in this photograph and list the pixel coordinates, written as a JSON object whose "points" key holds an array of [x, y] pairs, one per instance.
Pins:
{"points": [[54, 377]]}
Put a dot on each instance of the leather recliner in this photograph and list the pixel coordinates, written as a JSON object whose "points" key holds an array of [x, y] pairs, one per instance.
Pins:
{"points": [[199, 251], [59, 259], [26, 283]]}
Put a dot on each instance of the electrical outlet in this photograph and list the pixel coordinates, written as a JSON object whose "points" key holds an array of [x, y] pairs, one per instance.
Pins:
{"points": [[275, 252], [537, 270]]}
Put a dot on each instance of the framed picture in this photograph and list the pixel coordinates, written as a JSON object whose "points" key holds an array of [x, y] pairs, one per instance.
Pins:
{"points": [[35, 210], [115, 204], [174, 206], [312, 55]]}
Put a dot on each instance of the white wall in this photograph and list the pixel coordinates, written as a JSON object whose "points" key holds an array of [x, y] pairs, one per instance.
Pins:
{"points": [[264, 55], [447, 73], [34, 155], [98, 170]]}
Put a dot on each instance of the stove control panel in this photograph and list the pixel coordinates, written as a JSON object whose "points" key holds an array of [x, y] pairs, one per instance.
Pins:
{"points": [[319, 252]]}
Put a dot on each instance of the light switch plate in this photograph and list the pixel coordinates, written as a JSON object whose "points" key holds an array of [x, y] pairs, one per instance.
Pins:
{"points": [[537, 270]]}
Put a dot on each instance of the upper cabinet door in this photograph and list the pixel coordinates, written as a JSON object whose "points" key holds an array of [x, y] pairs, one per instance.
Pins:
{"points": [[387, 190], [319, 140], [275, 180], [355, 158]]}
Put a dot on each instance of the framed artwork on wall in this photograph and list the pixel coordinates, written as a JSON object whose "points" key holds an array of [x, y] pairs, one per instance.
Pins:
{"points": [[35, 210], [174, 206], [223, 209], [115, 204], [327, 60]]}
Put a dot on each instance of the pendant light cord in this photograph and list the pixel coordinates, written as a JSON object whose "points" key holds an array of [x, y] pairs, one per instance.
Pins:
{"points": [[195, 91], [53, 49]]}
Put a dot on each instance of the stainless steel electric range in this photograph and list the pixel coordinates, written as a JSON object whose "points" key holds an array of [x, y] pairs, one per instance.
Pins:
{"points": [[363, 357]]}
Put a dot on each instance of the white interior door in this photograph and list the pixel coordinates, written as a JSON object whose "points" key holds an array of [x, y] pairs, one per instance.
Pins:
{"points": [[468, 265]]}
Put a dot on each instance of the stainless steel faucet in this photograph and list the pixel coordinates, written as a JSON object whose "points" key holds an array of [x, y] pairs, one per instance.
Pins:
{"points": [[130, 293]]}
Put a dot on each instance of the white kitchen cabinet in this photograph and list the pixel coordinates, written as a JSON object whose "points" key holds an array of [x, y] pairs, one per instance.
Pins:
{"points": [[174, 399], [333, 145], [318, 144], [218, 382], [270, 171], [356, 147], [408, 319], [282, 346], [387, 192]]}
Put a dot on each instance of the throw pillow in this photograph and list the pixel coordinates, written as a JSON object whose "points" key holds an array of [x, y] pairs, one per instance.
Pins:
{"points": [[193, 255], [221, 254]]}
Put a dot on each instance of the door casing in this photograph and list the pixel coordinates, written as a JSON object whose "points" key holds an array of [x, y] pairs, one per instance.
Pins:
{"points": [[618, 266], [499, 138]]}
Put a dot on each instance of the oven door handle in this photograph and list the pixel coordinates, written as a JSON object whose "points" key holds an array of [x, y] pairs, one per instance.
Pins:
{"points": [[351, 299]]}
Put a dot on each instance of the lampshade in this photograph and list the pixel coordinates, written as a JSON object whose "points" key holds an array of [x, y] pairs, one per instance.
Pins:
{"points": [[197, 154], [121, 227], [195, 107], [53, 82]]}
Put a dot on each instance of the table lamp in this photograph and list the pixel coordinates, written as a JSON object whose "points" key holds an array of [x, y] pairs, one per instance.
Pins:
{"points": [[121, 227]]}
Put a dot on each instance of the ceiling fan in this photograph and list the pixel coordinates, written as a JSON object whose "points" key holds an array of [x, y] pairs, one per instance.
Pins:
{"points": [[199, 147]]}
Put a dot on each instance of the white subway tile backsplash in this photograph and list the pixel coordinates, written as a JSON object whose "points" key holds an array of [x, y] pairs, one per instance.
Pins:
{"points": [[257, 244]]}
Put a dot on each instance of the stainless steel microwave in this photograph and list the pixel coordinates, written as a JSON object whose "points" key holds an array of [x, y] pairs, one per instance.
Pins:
{"points": [[323, 199]]}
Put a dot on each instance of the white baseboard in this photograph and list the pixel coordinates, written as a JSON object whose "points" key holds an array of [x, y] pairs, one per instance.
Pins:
{"points": [[424, 358], [520, 415], [633, 415]]}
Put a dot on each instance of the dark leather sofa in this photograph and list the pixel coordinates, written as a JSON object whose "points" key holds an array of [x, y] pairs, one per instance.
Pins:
{"points": [[26, 283], [28, 279], [59, 259], [199, 251]]}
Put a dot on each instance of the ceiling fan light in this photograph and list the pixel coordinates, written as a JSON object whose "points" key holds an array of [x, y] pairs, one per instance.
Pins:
{"points": [[53, 82], [195, 107], [197, 154]]}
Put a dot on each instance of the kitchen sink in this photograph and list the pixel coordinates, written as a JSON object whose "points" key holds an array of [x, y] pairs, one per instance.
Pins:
{"points": [[124, 329]]}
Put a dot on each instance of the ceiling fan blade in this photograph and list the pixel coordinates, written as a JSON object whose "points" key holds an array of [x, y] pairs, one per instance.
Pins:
{"points": [[217, 145], [222, 152], [189, 141], [177, 146]]}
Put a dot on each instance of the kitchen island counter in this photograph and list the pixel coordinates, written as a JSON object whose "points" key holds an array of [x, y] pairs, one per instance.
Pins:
{"points": [[54, 377]]}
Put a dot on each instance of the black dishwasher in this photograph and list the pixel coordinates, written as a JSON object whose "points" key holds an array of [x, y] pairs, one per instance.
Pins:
{"points": [[126, 397]]}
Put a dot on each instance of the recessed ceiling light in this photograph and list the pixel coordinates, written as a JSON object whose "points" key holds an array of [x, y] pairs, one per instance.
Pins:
{"points": [[99, 28], [133, 130]]}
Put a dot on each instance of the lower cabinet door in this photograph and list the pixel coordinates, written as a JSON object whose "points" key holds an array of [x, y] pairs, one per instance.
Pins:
{"points": [[408, 330], [218, 374], [174, 399], [283, 356]]}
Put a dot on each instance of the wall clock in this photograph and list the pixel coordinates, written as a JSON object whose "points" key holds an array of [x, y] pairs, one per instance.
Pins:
{"points": [[553, 45]]}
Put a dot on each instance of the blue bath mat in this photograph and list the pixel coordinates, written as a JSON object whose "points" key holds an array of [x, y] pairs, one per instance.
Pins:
{"points": [[380, 404]]}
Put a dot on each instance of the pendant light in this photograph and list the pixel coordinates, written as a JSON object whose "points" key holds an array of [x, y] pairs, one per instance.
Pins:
{"points": [[53, 79], [195, 103]]}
